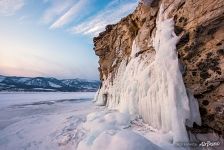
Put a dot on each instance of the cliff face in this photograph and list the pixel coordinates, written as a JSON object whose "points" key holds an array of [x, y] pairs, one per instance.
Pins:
{"points": [[200, 26]]}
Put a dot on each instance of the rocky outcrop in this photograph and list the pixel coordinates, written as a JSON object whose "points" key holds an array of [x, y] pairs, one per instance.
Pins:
{"points": [[200, 26]]}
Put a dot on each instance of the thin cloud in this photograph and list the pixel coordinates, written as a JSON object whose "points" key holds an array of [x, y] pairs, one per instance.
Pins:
{"points": [[10, 7], [70, 14], [23, 19], [56, 8], [110, 15]]}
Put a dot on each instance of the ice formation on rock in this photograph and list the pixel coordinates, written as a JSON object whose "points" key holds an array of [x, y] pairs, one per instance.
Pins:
{"points": [[151, 85]]}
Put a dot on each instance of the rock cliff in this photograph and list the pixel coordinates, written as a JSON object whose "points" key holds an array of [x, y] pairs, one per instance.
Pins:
{"points": [[200, 26]]}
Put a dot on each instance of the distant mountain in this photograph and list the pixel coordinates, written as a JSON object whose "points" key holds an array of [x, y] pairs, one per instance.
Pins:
{"points": [[13, 83]]}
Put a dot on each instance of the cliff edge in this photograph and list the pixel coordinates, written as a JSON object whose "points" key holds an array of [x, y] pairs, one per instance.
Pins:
{"points": [[200, 48]]}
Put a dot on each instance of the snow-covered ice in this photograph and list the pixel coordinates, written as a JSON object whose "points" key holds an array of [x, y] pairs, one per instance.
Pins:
{"points": [[67, 122], [13, 98], [39, 121]]}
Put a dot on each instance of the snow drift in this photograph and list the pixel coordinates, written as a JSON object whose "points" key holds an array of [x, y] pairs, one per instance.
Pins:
{"points": [[106, 131]]}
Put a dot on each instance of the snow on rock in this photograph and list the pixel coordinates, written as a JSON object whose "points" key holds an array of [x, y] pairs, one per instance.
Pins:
{"points": [[54, 85], [23, 79], [151, 86], [2, 78]]}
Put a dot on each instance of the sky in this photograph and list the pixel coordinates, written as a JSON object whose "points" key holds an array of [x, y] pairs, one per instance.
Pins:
{"points": [[53, 38]]}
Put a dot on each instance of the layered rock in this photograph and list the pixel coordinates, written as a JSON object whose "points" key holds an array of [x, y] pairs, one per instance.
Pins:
{"points": [[200, 26]]}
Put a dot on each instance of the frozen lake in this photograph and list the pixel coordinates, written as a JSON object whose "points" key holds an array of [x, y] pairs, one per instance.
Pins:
{"points": [[16, 98], [43, 120], [59, 121]]}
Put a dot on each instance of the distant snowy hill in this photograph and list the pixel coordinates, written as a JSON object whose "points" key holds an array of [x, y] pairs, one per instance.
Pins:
{"points": [[13, 83]]}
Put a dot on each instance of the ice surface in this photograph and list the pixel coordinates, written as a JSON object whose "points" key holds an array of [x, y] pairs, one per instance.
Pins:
{"points": [[151, 86], [60, 124], [14, 98], [37, 125]]}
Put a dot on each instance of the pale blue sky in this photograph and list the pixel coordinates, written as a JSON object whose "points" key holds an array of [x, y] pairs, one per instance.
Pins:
{"points": [[54, 37]]}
